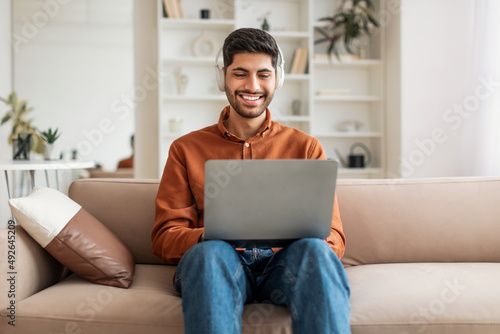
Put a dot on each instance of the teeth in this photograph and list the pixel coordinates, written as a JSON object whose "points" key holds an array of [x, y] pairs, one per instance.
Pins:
{"points": [[251, 98]]}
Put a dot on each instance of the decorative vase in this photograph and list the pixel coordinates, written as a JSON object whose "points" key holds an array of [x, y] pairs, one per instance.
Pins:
{"points": [[49, 152], [21, 148]]}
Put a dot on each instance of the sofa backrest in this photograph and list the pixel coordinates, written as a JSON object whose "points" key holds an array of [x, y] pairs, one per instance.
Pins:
{"points": [[385, 221], [420, 220], [125, 206]]}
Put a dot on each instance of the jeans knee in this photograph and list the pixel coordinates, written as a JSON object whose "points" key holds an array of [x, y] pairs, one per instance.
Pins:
{"points": [[313, 259], [207, 260], [311, 245], [210, 253], [311, 242], [313, 254], [210, 246]]}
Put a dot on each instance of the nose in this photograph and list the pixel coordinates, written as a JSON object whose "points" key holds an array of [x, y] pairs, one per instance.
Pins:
{"points": [[252, 83]]}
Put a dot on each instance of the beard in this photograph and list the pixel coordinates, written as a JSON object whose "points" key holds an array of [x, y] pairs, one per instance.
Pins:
{"points": [[248, 110]]}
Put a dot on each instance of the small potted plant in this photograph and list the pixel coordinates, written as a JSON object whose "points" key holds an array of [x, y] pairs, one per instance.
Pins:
{"points": [[50, 137], [23, 136], [349, 28]]}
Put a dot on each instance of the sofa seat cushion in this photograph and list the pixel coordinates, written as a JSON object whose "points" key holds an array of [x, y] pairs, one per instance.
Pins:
{"points": [[150, 305], [425, 298]]}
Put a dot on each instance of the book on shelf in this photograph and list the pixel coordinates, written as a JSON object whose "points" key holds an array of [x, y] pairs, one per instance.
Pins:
{"points": [[293, 68], [303, 61], [180, 10], [168, 8], [164, 9], [173, 9], [299, 62]]}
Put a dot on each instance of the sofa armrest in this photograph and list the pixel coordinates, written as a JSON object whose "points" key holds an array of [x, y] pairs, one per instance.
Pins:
{"points": [[34, 268]]}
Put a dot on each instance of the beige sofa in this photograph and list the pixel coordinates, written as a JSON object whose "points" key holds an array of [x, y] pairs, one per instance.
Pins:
{"points": [[422, 257]]}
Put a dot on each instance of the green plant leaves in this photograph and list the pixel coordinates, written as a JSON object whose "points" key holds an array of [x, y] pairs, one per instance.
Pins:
{"points": [[17, 115], [350, 24], [50, 136], [6, 118]]}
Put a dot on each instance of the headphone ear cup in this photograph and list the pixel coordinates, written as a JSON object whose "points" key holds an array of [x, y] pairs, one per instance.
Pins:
{"points": [[219, 76], [280, 73], [219, 73], [280, 77]]}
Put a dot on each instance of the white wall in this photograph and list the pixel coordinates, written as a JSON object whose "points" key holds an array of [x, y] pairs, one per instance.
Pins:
{"points": [[5, 69], [436, 40], [73, 62], [5, 87]]}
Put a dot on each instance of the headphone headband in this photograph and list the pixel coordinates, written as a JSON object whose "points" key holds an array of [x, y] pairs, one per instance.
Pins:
{"points": [[280, 71]]}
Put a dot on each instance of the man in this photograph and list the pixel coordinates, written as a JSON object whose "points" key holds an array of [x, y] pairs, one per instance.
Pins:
{"points": [[216, 280]]}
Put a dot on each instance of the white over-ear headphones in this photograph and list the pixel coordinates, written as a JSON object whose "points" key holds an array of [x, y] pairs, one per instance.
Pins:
{"points": [[280, 71]]}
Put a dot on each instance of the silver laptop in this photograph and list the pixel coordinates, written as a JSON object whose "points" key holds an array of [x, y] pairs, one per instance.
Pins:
{"points": [[268, 203]]}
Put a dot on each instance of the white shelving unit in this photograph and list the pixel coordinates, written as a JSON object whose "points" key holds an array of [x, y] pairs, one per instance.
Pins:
{"points": [[292, 23]]}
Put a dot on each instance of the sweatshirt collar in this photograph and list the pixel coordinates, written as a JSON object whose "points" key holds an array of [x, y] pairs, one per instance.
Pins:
{"points": [[226, 134]]}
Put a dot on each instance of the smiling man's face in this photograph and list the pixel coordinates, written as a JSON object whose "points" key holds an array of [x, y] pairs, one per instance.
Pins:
{"points": [[250, 83]]}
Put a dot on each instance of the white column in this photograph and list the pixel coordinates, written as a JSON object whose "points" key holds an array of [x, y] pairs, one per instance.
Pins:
{"points": [[146, 89], [393, 87]]}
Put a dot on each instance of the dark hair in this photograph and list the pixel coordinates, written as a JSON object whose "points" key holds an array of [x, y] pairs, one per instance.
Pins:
{"points": [[249, 40]]}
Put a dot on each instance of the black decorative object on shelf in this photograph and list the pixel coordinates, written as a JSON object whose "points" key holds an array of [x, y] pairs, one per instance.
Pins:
{"points": [[205, 14], [265, 25], [21, 147]]}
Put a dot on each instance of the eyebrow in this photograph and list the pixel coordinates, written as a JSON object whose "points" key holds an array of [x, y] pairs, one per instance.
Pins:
{"points": [[245, 70]]}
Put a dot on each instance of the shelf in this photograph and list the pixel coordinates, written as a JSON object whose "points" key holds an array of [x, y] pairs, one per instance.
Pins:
{"points": [[198, 23], [204, 97], [353, 171], [289, 34], [350, 98], [334, 63], [351, 88], [359, 134]]}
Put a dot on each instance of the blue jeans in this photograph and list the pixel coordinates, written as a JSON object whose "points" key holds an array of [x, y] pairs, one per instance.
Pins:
{"points": [[306, 276]]}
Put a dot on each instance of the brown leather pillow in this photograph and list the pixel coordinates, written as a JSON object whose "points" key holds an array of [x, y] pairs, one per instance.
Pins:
{"points": [[74, 237]]}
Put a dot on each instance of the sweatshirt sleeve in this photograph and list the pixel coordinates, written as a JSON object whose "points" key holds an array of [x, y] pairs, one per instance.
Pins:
{"points": [[336, 240], [176, 217]]}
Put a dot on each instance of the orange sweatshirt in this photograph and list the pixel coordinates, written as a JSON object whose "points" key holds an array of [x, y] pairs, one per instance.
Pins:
{"points": [[180, 199]]}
